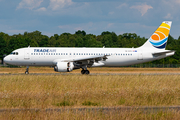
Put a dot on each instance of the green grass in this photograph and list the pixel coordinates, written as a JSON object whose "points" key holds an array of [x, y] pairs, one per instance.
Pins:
{"points": [[89, 103]]}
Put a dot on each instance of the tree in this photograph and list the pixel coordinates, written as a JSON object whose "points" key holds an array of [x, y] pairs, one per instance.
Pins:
{"points": [[79, 32], [3, 48]]}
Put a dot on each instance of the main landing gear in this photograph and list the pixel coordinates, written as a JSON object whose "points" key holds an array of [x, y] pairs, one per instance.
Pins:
{"points": [[27, 70], [85, 72]]}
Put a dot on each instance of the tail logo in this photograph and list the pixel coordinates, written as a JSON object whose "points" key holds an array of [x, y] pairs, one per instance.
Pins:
{"points": [[160, 36]]}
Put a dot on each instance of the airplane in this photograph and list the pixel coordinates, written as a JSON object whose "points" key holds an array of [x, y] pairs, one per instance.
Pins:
{"points": [[65, 59]]}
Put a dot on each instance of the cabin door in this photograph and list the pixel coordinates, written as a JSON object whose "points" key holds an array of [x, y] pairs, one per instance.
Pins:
{"points": [[140, 55], [26, 54]]}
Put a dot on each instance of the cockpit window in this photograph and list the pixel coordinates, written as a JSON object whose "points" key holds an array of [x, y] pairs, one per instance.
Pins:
{"points": [[14, 53]]}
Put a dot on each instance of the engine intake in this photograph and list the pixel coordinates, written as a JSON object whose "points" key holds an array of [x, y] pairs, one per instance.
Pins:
{"points": [[64, 67]]}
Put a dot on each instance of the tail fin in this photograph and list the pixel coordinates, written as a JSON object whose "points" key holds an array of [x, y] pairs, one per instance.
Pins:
{"points": [[159, 38]]}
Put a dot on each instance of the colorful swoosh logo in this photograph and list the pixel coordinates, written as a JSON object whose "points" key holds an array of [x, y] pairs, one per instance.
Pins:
{"points": [[160, 36]]}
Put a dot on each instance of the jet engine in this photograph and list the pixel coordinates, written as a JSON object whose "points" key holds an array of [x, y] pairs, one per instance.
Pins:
{"points": [[64, 67]]}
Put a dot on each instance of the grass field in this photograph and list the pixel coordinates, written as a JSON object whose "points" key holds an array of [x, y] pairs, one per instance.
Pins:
{"points": [[48, 91], [29, 91], [69, 115], [93, 70]]}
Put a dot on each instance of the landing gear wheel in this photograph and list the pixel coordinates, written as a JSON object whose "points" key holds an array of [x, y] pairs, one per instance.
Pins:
{"points": [[83, 71], [87, 72], [26, 72]]}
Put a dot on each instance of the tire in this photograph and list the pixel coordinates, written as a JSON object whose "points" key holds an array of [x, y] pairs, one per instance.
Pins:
{"points": [[26, 72], [82, 71], [87, 72]]}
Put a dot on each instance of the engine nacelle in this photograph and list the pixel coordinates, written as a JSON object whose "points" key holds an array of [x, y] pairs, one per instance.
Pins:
{"points": [[64, 67]]}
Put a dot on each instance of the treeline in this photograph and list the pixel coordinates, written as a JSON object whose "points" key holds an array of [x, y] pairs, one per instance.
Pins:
{"points": [[81, 39]]}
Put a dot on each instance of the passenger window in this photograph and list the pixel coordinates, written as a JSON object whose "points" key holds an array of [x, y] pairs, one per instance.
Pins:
{"points": [[34, 53], [31, 53]]}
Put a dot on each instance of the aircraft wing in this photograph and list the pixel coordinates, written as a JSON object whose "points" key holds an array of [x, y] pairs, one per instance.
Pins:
{"points": [[95, 58]]}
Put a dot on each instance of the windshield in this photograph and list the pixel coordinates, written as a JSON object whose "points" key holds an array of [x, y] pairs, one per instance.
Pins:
{"points": [[14, 53]]}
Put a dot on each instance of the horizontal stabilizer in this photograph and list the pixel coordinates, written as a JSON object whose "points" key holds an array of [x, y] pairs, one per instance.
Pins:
{"points": [[156, 54]]}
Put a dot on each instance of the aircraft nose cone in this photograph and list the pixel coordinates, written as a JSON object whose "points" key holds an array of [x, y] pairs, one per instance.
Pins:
{"points": [[5, 59]]}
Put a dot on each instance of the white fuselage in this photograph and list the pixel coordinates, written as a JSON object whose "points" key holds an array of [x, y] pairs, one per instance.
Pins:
{"points": [[39, 56]]}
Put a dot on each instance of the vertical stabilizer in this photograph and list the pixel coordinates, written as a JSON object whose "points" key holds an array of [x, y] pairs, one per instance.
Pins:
{"points": [[159, 38]]}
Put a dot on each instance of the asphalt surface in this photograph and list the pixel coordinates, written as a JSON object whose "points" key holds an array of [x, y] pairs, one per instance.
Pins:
{"points": [[99, 109], [93, 74]]}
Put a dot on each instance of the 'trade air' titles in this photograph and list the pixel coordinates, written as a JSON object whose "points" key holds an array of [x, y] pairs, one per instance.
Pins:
{"points": [[44, 50]]}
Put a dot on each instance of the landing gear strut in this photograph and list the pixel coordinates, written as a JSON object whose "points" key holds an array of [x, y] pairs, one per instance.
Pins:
{"points": [[85, 72], [27, 70]]}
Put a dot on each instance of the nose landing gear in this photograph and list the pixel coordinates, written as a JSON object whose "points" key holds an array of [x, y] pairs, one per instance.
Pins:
{"points": [[27, 70]]}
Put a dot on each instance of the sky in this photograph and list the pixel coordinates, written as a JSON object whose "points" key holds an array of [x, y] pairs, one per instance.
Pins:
{"points": [[93, 16]]}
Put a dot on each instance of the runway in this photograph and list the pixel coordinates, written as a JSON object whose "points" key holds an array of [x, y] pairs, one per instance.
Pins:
{"points": [[99, 109], [92, 74]]}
